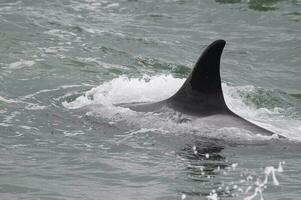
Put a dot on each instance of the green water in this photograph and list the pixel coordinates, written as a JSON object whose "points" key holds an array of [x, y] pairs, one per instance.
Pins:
{"points": [[55, 146]]}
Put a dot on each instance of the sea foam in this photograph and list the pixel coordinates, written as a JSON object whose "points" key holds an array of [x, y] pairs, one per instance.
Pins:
{"points": [[104, 98]]}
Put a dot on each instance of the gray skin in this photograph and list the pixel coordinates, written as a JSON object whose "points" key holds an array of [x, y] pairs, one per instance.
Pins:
{"points": [[201, 96]]}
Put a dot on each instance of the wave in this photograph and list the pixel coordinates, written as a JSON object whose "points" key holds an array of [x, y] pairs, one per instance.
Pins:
{"points": [[272, 109]]}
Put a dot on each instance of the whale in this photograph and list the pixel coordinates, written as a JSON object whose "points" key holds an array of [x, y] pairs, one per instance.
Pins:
{"points": [[201, 96]]}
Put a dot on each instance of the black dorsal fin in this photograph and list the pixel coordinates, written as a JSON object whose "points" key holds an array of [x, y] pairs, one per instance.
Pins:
{"points": [[202, 91]]}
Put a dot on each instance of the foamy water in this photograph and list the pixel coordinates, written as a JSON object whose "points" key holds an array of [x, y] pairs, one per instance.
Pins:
{"points": [[103, 100], [66, 64]]}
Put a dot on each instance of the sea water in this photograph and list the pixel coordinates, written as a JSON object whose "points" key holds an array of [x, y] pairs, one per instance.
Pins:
{"points": [[65, 65]]}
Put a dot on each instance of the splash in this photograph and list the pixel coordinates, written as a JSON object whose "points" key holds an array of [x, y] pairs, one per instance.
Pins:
{"points": [[125, 90], [261, 185], [102, 101], [248, 188], [212, 196]]}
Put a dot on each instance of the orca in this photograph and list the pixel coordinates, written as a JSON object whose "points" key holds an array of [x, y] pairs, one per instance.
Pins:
{"points": [[201, 95]]}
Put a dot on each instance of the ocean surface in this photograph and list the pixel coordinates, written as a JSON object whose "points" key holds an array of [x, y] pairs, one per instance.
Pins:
{"points": [[64, 65]]}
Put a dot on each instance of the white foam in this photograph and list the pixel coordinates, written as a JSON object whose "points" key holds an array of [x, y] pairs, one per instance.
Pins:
{"points": [[212, 196], [7, 100], [261, 185], [21, 64], [32, 106], [73, 133], [156, 88], [125, 90], [248, 188]]}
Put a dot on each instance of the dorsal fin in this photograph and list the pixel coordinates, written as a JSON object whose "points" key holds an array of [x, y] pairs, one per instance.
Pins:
{"points": [[202, 91]]}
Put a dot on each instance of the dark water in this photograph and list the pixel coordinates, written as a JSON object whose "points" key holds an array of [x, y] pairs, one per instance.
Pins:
{"points": [[63, 64]]}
